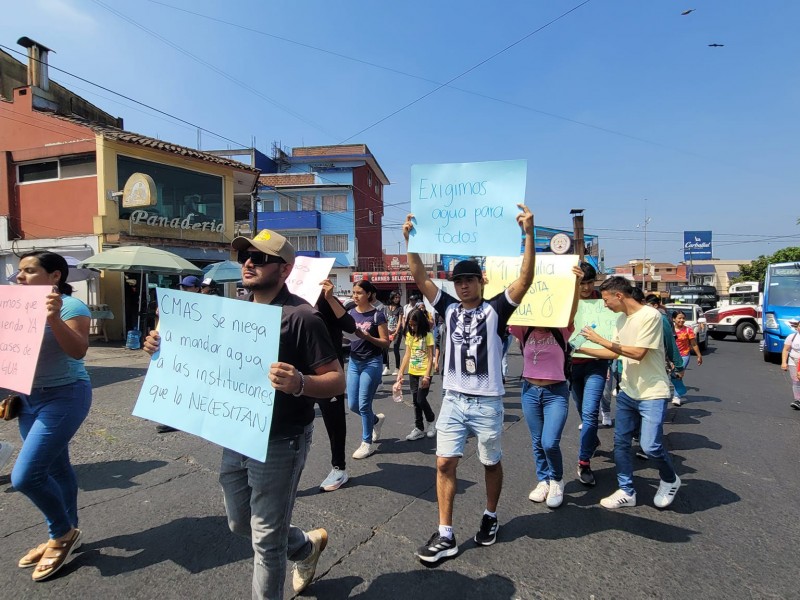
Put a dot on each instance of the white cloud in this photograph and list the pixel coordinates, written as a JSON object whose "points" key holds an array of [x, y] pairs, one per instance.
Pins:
{"points": [[66, 13]]}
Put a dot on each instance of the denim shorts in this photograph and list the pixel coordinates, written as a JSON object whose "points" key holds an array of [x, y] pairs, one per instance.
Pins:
{"points": [[461, 414]]}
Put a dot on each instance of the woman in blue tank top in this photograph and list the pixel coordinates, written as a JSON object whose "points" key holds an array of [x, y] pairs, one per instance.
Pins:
{"points": [[51, 415]]}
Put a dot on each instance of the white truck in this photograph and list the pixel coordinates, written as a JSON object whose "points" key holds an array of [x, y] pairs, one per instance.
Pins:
{"points": [[695, 318]]}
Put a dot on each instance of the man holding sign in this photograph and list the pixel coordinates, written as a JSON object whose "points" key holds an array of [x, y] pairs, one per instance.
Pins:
{"points": [[259, 496], [472, 380]]}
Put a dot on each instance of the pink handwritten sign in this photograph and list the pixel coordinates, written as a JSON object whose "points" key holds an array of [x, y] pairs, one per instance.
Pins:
{"points": [[22, 319]]}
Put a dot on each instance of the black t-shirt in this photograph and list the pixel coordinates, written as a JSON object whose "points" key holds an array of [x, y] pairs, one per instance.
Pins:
{"points": [[304, 343], [335, 326]]}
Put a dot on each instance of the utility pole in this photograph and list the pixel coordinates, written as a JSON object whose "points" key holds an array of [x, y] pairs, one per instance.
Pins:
{"points": [[643, 226]]}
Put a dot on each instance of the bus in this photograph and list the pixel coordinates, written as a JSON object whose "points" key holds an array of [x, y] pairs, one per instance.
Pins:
{"points": [[781, 303], [705, 296]]}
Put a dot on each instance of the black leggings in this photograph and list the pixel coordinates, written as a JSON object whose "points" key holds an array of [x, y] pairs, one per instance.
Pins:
{"points": [[396, 348], [333, 415], [419, 395]]}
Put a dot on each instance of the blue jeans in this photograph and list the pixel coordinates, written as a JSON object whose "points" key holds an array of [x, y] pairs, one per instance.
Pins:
{"points": [[461, 415], [504, 361], [588, 384], [363, 379], [545, 409], [677, 382], [259, 498], [650, 413], [48, 420]]}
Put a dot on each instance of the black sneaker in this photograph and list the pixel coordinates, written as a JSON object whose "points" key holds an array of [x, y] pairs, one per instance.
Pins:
{"points": [[164, 429], [641, 454], [585, 475], [437, 548], [487, 534], [795, 405]]}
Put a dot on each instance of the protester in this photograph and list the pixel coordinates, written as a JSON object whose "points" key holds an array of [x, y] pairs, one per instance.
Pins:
{"points": [[209, 287], [790, 357], [644, 390], [588, 380], [259, 496], [418, 359], [190, 283], [394, 318], [473, 400], [654, 300], [337, 320], [686, 340], [53, 412], [366, 361], [545, 399]]}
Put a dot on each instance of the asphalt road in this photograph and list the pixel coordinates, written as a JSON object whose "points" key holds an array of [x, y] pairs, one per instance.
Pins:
{"points": [[154, 524]]}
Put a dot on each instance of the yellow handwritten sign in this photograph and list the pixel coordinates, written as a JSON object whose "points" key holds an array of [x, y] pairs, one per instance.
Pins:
{"points": [[549, 299]]}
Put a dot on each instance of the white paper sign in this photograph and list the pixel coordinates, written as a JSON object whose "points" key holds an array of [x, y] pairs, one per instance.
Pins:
{"points": [[307, 276]]}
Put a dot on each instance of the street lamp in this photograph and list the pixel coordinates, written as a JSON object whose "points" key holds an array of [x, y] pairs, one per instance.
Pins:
{"points": [[643, 226]]}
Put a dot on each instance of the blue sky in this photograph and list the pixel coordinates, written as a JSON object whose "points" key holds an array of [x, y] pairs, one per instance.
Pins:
{"points": [[614, 103]]}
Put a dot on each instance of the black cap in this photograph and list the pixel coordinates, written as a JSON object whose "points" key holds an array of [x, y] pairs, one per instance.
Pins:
{"points": [[467, 268]]}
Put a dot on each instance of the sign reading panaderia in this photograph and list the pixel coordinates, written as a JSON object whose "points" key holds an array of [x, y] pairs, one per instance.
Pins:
{"points": [[187, 222]]}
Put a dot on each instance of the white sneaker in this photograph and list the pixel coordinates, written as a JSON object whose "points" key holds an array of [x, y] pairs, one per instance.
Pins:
{"points": [[540, 492], [385, 371], [335, 479], [666, 493], [580, 426], [416, 434], [6, 450], [394, 372], [376, 429], [364, 450], [555, 495], [618, 499], [430, 429], [303, 570], [676, 400], [605, 418]]}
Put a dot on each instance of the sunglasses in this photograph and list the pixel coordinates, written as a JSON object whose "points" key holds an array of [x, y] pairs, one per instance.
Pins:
{"points": [[257, 258]]}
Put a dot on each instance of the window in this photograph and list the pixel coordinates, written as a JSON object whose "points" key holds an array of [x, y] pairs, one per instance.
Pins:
{"points": [[369, 178], [371, 216], [303, 242], [334, 243], [336, 203], [181, 192], [58, 168], [654, 286], [287, 203], [308, 202]]}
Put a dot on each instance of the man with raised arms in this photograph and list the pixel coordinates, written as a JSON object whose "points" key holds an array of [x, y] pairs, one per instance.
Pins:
{"points": [[472, 380]]}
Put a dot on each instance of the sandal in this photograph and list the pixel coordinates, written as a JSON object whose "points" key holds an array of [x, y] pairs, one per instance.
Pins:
{"points": [[55, 556], [32, 558]]}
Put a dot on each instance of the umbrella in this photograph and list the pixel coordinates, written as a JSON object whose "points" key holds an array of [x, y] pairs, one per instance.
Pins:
{"points": [[140, 258], [143, 259], [75, 273], [225, 271]]}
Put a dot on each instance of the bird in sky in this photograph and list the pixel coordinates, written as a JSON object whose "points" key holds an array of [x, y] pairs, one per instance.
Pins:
{"points": [[716, 45], [687, 12]]}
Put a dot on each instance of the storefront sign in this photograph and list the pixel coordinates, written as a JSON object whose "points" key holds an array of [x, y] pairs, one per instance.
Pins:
{"points": [[140, 190], [142, 216], [387, 276]]}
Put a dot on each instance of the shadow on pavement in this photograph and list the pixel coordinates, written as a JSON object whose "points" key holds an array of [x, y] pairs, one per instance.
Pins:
{"points": [[195, 544], [431, 583], [571, 521], [688, 416], [410, 480], [678, 440], [102, 376], [114, 474]]}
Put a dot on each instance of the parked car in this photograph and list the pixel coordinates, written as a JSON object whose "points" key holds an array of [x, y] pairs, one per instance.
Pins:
{"points": [[694, 319]]}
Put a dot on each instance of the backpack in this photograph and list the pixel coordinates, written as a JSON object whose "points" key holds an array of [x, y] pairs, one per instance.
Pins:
{"points": [[565, 348]]}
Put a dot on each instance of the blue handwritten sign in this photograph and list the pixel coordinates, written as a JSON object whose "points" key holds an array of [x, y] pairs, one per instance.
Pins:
{"points": [[467, 208], [209, 377]]}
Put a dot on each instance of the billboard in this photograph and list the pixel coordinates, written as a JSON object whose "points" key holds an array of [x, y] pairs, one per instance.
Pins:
{"points": [[696, 245]]}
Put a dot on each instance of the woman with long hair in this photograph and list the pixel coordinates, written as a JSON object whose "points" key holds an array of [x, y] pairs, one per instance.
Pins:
{"points": [[52, 413], [418, 359], [366, 364]]}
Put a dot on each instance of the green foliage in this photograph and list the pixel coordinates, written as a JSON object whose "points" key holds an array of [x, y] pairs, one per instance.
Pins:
{"points": [[757, 270]]}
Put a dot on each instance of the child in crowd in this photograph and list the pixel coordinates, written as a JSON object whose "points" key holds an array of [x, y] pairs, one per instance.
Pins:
{"points": [[418, 359]]}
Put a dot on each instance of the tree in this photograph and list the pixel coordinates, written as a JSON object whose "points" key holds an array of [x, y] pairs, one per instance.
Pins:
{"points": [[757, 269]]}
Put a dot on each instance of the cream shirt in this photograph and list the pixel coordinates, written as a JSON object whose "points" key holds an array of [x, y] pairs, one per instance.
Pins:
{"points": [[645, 379]]}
